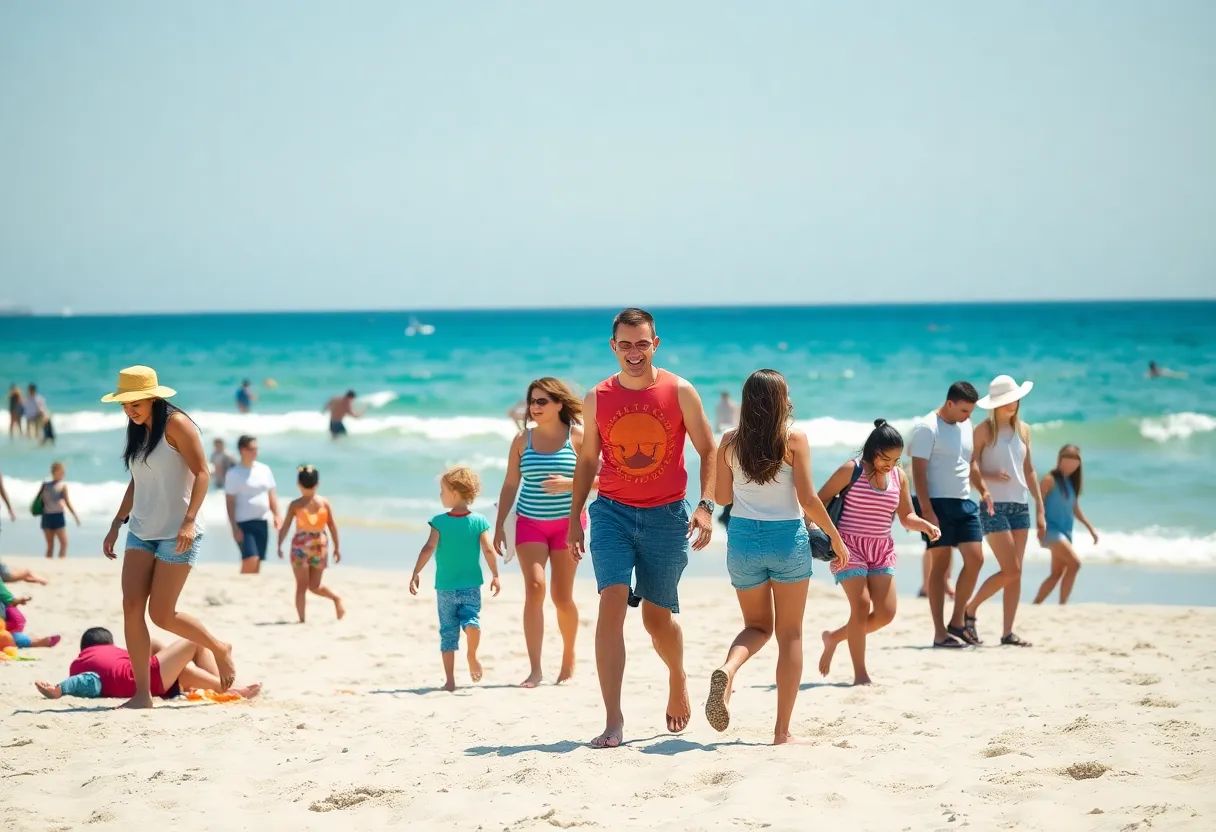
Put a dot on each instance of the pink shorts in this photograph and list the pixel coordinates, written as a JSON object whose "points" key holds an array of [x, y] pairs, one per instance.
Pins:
{"points": [[15, 620], [550, 532], [867, 556]]}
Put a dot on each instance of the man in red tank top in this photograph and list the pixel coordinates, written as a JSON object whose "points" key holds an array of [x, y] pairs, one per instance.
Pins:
{"points": [[640, 522]]}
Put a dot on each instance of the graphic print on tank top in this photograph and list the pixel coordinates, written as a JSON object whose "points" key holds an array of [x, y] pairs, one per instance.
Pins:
{"points": [[642, 432]]}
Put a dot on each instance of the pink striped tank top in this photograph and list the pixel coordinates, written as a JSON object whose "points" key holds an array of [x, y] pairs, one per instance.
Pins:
{"points": [[867, 511]]}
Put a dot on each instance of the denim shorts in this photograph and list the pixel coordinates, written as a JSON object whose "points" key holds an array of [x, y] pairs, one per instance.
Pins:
{"points": [[166, 550], [458, 608], [53, 522], [1005, 517], [959, 521], [759, 551], [255, 535], [649, 543]]}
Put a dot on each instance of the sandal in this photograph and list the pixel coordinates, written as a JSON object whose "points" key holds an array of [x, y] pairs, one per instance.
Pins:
{"points": [[962, 633], [969, 622], [949, 643], [1014, 641]]}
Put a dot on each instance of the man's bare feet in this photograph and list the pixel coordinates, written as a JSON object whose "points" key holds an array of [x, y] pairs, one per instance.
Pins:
{"points": [[474, 668], [613, 737], [717, 710], [48, 690], [829, 650], [450, 685], [789, 739], [138, 702], [225, 665], [339, 609], [534, 679], [248, 691], [679, 711]]}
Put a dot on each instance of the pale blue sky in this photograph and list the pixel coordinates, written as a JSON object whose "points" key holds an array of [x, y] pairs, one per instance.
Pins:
{"points": [[236, 155]]}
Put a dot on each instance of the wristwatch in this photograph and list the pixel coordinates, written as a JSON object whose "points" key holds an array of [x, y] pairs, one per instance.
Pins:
{"points": [[708, 505]]}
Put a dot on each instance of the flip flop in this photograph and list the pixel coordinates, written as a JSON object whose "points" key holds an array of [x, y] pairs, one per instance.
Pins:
{"points": [[1012, 640], [949, 643], [634, 600], [716, 710], [961, 633]]}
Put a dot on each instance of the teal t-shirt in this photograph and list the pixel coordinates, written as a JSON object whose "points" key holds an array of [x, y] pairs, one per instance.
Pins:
{"points": [[458, 556]]}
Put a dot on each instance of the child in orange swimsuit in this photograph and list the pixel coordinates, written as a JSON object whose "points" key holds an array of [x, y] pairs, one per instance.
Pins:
{"points": [[315, 525]]}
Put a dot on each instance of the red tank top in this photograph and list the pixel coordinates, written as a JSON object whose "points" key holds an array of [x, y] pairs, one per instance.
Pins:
{"points": [[642, 432]]}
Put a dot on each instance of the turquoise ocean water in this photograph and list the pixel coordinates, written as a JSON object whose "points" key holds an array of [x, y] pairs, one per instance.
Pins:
{"points": [[441, 398]]}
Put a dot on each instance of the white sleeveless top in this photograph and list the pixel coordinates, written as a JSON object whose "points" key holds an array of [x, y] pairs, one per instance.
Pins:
{"points": [[162, 494], [1006, 453], [776, 500]]}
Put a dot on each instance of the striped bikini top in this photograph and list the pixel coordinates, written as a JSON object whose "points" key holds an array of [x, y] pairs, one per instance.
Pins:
{"points": [[535, 468], [868, 512]]}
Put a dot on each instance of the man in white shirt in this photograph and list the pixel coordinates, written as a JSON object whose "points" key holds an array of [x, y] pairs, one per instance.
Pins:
{"points": [[943, 473], [253, 505]]}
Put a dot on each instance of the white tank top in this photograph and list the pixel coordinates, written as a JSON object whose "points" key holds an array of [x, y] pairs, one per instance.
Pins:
{"points": [[162, 494], [1006, 453], [776, 500]]}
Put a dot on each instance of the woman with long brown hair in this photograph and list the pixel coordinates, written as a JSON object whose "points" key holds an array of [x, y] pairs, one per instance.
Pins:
{"points": [[764, 469], [542, 459]]}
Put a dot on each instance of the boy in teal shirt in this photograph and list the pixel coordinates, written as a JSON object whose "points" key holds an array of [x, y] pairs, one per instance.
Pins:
{"points": [[457, 538]]}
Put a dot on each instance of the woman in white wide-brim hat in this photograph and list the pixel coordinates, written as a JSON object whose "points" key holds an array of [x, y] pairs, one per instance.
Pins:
{"points": [[169, 480], [1002, 449]]}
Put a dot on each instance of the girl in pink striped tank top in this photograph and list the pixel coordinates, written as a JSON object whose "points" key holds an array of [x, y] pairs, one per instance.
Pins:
{"points": [[868, 506]]}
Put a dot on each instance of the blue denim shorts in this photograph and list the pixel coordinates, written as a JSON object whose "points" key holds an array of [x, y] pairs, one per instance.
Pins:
{"points": [[166, 550], [959, 521], [1005, 517], [759, 551], [458, 608], [649, 543]]}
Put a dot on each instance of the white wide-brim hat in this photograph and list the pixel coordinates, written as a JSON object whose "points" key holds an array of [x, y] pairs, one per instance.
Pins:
{"points": [[135, 383], [1003, 390]]}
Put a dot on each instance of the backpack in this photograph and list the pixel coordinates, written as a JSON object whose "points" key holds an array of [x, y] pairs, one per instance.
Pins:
{"points": [[821, 544]]}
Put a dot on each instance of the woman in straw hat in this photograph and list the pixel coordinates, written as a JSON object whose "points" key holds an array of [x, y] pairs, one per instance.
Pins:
{"points": [[169, 480], [1002, 449]]}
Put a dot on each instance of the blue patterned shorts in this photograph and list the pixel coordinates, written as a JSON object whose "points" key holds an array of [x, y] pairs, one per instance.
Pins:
{"points": [[1006, 517]]}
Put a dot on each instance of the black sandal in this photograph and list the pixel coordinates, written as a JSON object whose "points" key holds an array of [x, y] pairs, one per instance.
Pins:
{"points": [[1013, 640], [969, 622], [949, 643], [962, 633]]}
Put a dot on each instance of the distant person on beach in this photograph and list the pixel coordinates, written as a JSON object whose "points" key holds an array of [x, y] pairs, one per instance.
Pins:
{"points": [[542, 459], [55, 501], [103, 670], [871, 500], [640, 522], [253, 505], [764, 468], [13, 574], [459, 539], [245, 396], [1062, 503], [169, 479], [13, 633], [1002, 450], [48, 429], [339, 407], [16, 410], [943, 472], [221, 463], [1155, 371], [315, 525], [727, 416], [35, 411]]}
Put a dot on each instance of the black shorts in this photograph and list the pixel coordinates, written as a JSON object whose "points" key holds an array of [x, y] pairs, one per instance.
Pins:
{"points": [[959, 521], [337, 428], [255, 536], [53, 522]]}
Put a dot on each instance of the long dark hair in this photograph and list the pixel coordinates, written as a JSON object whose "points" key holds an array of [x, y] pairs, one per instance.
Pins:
{"points": [[1074, 478], [761, 441], [143, 439], [884, 437]]}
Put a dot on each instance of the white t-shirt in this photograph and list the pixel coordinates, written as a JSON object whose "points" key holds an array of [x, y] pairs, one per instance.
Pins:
{"points": [[948, 449], [251, 487]]}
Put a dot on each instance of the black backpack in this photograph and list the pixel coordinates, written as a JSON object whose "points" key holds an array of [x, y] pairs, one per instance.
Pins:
{"points": [[821, 544]]}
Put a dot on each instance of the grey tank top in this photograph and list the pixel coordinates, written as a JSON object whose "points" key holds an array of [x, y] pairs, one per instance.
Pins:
{"points": [[162, 494]]}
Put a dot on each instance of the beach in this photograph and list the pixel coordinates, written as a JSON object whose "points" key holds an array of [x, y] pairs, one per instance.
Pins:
{"points": [[1105, 724]]}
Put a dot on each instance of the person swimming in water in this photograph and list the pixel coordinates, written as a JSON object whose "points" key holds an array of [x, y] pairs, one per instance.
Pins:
{"points": [[1157, 371], [338, 408]]}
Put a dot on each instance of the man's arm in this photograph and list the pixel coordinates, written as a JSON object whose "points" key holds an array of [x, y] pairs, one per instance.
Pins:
{"points": [[701, 434], [588, 464]]}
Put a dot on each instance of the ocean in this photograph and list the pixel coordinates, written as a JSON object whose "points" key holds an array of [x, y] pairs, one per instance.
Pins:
{"points": [[439, 399]]}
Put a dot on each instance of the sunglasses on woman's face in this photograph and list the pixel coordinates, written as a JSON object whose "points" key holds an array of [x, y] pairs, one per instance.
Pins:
{"points": [[540, 401], [1070, 456]]}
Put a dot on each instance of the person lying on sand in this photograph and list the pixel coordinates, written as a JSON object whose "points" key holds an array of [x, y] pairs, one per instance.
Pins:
{"points": [[103, 670]]}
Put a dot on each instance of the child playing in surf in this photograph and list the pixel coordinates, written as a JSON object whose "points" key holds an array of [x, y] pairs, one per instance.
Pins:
{"points": [[315, 525], [457, 538], [1061, 504]]}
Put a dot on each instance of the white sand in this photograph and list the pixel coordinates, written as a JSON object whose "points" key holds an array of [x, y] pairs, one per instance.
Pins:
{"points": [[1107, 723]]}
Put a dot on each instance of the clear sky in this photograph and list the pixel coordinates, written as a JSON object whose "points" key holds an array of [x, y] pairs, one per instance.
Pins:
{"points": [[237, 155]]}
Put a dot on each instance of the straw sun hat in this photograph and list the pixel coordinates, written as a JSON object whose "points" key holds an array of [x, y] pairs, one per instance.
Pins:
{"points": [[135, 383], [1004, 390]]}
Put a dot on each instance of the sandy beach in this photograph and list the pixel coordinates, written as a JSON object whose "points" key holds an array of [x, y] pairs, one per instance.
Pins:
{"points": [[1105, 724]]}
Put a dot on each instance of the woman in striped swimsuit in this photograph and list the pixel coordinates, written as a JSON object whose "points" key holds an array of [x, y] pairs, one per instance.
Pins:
{"points": [[880, 493], [542, 460]]}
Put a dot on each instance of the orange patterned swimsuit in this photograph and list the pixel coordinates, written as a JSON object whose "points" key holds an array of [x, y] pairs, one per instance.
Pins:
{"points": [[310, 544]]}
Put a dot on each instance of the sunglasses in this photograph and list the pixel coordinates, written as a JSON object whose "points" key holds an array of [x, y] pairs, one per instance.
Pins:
{"points": [[540, 401], [1077, 457]]}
